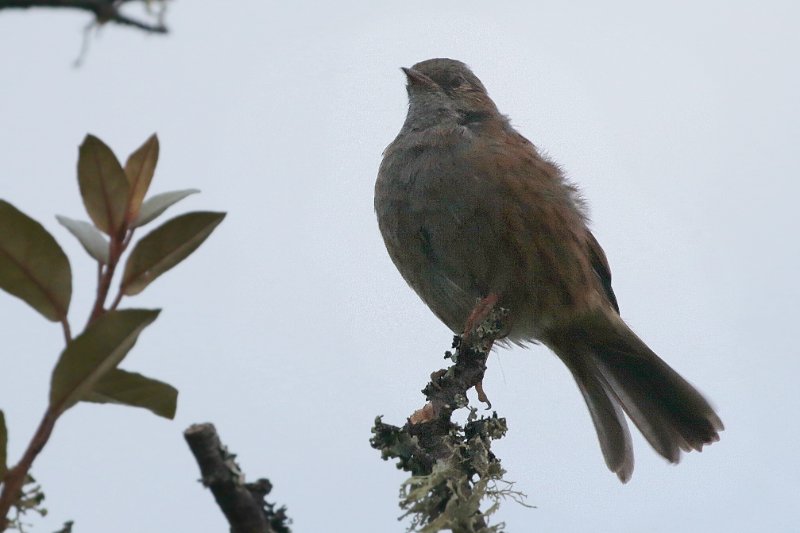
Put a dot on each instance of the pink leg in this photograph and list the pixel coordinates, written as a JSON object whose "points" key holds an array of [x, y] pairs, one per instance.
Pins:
{"points": [[482, 395], [479, 313], [476, 317]]}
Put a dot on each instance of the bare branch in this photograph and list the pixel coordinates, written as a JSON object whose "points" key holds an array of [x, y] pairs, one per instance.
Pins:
{"points": [[103, 11], [242, 503]]}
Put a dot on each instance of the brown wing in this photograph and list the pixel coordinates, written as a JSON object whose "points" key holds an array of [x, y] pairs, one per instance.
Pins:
{"points": [[601, 268]]}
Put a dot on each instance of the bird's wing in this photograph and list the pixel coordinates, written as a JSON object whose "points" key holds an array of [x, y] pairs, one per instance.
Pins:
{"points": [[601, 269]]}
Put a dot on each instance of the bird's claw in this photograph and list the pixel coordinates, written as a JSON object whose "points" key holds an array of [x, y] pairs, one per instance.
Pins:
{"points": [[482, 395]]}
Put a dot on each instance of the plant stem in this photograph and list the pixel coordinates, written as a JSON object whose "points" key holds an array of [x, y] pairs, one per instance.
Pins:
{"points": [[117, 246], [15, 477], [105, 281], [116, 301], [67, 332]]}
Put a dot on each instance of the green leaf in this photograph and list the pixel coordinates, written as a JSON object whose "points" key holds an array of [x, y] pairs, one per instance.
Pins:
{"points": [[139, 170], [136, 390], [165, 247], [155, 205], [103, 185], [33, 266], [90, 237], [94, 353], [3, 446]]}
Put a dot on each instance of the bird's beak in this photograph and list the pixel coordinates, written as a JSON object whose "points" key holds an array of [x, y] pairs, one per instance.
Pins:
{"points": [[417, 79]]}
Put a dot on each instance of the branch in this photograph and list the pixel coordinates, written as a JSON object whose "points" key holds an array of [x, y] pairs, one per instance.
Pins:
{"points": [[15, 477], [103, 11], [243, 504], [452, 467]]}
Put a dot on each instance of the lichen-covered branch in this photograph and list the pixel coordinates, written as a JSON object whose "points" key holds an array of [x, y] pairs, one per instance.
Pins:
{"points": [[103, 11], [243, 504], [453, 470]]}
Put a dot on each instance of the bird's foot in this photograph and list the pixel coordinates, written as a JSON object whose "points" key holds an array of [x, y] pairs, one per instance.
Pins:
{"points": [[426, 414], [479, 314], [482, 395]]}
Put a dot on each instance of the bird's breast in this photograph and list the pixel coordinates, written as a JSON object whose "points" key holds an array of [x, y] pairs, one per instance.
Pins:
{"points": [[438, 223]]}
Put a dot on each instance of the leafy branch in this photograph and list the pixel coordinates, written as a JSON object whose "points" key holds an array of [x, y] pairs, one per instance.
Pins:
{"points": [[34, 268]]}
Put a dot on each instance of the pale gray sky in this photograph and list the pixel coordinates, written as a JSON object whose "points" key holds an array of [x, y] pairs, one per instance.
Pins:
{"points": [[290, 329]]}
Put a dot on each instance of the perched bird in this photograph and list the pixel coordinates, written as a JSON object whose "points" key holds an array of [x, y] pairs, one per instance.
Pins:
{"points": [[471, 212]]}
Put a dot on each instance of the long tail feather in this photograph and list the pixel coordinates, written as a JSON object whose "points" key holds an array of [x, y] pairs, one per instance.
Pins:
{"points": [[613, 369]]}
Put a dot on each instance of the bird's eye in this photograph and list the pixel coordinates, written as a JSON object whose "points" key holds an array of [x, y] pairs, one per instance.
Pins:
{"points": [[456, 82]]}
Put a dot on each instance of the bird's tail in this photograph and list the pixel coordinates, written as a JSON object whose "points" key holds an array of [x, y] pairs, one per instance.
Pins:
{"points": [[617, 372]]}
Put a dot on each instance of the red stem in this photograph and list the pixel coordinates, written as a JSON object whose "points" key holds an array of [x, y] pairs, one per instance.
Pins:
{"points": [[15, 477], [117, 246], [67, 332], [116, 301]]}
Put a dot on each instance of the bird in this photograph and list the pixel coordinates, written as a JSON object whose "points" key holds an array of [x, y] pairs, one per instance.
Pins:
{"points": [[474, 217]]}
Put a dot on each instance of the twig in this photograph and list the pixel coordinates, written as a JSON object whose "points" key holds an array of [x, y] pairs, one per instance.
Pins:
{"points": [[15, 477], [242, 503], [103, 11]]}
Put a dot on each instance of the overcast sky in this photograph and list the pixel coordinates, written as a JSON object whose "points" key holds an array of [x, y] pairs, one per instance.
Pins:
{"points": [[290, 329]]}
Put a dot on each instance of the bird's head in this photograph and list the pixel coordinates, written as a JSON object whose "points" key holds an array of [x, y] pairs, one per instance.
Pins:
{"points": [[451, 80]]}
